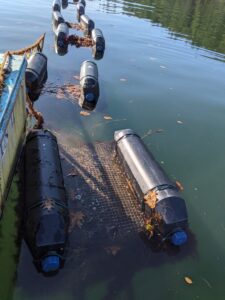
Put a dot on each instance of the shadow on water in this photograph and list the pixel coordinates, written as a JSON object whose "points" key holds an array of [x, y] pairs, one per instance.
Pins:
{"points": [[108, 246], [200, 21]]}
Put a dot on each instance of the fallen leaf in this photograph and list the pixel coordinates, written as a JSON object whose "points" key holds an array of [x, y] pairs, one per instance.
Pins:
{"points": [[179, 186], [151, 199], [188, 280], [179, 122], [48, 204], [113, 250], [77, 219], [107, 118], [84, 113]]}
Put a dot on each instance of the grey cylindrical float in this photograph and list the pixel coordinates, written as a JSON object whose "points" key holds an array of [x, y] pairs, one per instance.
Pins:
{"points": [[87, 24], [36, 74], [64, 4], [80, 10], [98, 41], [147, 176], [61, 43], [46, 211], [57, 19], [89, 85], [56, 5]]}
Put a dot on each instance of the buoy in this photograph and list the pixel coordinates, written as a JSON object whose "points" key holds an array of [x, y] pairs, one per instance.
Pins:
{"points": [[87, 24], [82, 2], [64, 4], [36, 75], [98, 41], [157, 194], [61, 43], [56, 5], [57, 19], [89, 85], [46, 211], [80, 10]]}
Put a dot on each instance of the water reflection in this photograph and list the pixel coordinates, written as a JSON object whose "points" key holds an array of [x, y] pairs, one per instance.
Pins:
{"points": [[202, 22], [9, 242]]}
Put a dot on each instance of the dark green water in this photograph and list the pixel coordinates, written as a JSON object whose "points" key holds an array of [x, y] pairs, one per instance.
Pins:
{"points": [[163, 68]]}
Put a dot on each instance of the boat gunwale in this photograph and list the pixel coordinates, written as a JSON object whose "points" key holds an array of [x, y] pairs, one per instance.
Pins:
{"points": [[10, 97]]}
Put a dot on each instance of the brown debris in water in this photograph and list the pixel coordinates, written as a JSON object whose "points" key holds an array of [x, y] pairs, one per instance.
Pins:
{"points": [[84, 113], [68, 91], [78, 41], [179, 186], [74, 26], [76, 219], [151, 199], [188, 280]]}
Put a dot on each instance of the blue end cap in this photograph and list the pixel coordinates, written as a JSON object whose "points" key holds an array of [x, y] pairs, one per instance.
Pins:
{"points": [[50, 263], [179, 238], [90, 97]]}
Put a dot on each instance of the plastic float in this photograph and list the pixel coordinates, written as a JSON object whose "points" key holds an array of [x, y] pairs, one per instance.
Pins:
{"points": [[89, 85], [46, 213], [164, 208], [98, 41], [36, 75]]}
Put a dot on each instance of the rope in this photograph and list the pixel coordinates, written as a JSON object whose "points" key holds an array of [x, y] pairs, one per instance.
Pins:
{"points": [[3, 71], [38, 45], [38, 116]]}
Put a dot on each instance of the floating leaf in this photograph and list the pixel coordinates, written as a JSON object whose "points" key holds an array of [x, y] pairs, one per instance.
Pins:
{"points": [[48, 204], [84, 113], [188, 280], [107, 117], [179, 186], [77, 219], [151, 199]]}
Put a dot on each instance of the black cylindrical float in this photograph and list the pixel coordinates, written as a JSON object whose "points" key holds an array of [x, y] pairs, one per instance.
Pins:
{"points": [[36, 74], [46, 211], [98, 41], [82, 2], [80, 10], [64, 4], [61, 43], [56, 5], [57, 19], [89, 85], [87, 24], [147, 176]]}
